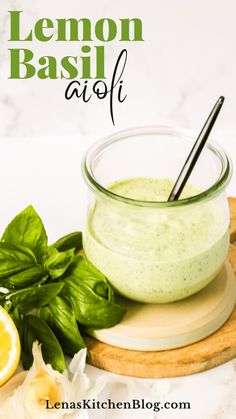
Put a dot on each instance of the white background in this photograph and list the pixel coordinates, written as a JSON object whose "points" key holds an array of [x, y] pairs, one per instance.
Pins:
{"points": [[174, 77]]}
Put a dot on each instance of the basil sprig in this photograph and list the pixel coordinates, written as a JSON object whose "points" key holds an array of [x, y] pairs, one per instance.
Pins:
{"points": [[27, 229], [70, 241], [60, 316], [51, 293], [34, 328]]}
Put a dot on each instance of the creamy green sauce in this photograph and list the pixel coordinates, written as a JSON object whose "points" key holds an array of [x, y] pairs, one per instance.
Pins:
{"points": [[156, 254]]}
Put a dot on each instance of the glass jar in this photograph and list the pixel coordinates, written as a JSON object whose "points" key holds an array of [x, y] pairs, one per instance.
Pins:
{"points": [[152, 250]]}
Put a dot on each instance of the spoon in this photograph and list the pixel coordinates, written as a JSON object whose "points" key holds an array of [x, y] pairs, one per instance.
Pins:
{"points": [[196, 151]]}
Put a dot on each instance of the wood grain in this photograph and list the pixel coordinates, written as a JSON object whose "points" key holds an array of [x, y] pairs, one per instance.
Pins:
{"points": [[232, 205], [208, 353]]}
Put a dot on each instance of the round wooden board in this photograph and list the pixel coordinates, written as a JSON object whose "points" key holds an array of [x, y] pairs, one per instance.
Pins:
{"points": [[207, 353]]}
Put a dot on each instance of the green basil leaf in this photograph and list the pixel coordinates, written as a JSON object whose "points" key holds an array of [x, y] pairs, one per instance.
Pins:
{"points": [[27, 339], [26, 278], [6, 305], [60, 317], [91, 309], [84, 271], [58, 262], [16, 316], [27, 229], [37, 329], [14, 259], [30, 298], [70, 241], [51, 250], [23, 250], [84, 268]]}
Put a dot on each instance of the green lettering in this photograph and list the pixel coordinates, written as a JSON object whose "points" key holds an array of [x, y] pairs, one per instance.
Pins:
{"points": [[72, 26], [40, 27], [100, 62], [15, 27], [16, 61], [137, 29], [49, 71], [111, 30], [69, 67], [86, 63]]}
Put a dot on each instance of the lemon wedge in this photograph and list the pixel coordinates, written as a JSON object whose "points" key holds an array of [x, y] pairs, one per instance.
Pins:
{"points": [[9, 346]]}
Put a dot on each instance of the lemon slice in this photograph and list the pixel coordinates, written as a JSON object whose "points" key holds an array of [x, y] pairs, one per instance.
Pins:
{"points": [[9, 346]]}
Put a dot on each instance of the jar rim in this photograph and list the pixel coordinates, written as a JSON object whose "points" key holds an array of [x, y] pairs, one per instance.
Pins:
{"points": [[98, 146]]}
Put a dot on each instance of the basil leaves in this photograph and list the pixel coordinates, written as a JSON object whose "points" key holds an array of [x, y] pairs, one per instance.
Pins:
{"points": [[50, 292], [34, 328], [27, 229], [88, 288], [30, 298], [70, 241], [60, 316], [14, 259], [58, 262]]}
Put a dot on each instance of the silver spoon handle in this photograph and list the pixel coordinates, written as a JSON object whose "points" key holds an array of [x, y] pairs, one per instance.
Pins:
{"points": [[196, 151]]}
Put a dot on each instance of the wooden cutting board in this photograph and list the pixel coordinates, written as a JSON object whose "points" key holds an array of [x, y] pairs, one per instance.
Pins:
{"points": [[207, 353]]}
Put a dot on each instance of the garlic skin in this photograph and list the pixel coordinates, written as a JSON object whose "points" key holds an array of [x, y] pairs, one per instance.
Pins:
{"points": [[26, 395]]}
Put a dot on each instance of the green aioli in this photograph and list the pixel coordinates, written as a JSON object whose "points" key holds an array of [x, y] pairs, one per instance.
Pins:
{"points": [[153, 254]]}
